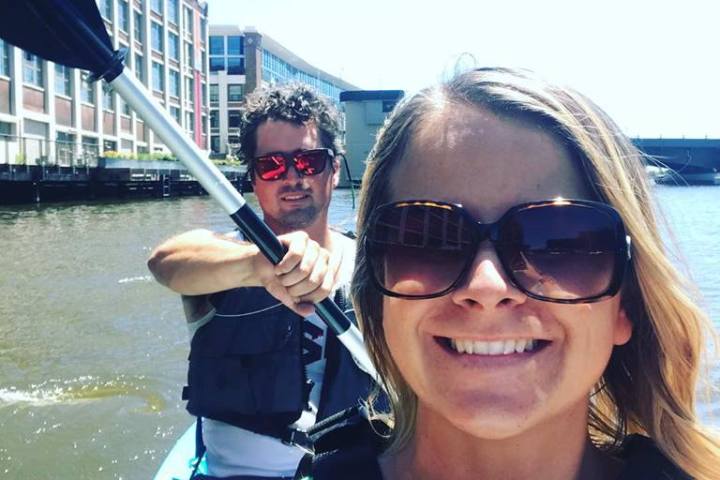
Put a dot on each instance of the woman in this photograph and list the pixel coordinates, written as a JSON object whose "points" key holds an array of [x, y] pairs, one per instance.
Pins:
{"points": [[538, 330]]}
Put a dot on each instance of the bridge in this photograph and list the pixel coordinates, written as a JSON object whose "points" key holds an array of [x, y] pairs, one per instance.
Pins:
{"points": [[694, 159]]}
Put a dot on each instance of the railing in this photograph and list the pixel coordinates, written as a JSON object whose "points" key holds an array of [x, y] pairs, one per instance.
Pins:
{"points": [[35, 151]]}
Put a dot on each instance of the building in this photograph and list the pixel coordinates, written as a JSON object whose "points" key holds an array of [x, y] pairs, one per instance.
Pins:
{"points": [[241, 60], [365, 113], [50, 115]]}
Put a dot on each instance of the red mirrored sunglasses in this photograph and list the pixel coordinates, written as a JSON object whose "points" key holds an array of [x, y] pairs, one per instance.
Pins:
{"points": [[275, 165]]}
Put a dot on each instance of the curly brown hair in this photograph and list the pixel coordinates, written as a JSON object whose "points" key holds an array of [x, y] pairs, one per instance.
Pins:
{"points": [[291, 102]]}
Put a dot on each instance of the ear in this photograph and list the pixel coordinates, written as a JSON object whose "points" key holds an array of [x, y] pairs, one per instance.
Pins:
{"points": [[623, 328], [336, 172]]}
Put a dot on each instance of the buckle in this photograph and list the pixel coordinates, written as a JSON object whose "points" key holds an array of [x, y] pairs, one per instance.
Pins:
{"points": [[298, 438]]}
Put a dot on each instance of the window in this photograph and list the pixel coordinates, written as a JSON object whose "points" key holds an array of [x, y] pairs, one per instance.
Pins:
{"points": [[5, 129], [65, 146], [173, 12], [203, 29], [214, 119], [139, 26], [140, 68], [124, 107], [156, 36], [63, 85], [123, 16], [33, 72], [234, 118], [234, 45], [217, 45], [189, 55], [235, 66], [87, 91], [190, 122], [158, 77], [217, 64], [189, 21], [235, 92], [173, 46], [106, 8], [4, 58], [175, 113], [174, 83], [214, 93], [215, 143], [190, 89], [108, 98], [157, 6]]}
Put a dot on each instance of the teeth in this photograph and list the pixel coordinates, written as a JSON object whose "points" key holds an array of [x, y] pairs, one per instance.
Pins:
{"points": [[497, 347]]}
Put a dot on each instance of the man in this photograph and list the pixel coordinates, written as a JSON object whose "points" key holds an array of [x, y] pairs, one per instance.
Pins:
{"points": [[262, 365]]}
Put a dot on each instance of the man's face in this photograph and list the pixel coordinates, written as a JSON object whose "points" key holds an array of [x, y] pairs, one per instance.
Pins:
{"points": [[293, 202]]}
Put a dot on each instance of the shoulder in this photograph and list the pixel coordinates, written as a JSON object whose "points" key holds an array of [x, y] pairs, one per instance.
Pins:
{"points": [[644, 461]]}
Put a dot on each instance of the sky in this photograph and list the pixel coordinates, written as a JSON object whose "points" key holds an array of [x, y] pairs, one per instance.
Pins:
{"points": [[654, 66]]}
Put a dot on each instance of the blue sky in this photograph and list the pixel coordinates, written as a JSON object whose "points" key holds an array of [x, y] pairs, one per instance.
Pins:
{"points": [[654, 66]]}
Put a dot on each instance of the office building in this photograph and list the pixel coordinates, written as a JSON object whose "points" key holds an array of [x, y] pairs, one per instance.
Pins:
{"points": [[242, 59]]}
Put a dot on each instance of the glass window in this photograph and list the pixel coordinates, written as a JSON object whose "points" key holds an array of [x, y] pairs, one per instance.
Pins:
{"points": [[215, 143], [173, 46], [140, 68], [158, 80], [190, 122], [214, 119], [214, 93], [175, 113], [234, 45], [235, 65], [190, 89], [106, 8], [173, 12], [189, 21], [174, 83], [189, 55], [123, 16], [217, 64], [124, 107], [87, 90], [234, 118], [33, 72], [108, 98], [139, 27], [217, 45], [4, 58], [157, 6], [235, 92], [63, 86], [156, 35], [203, 29]]}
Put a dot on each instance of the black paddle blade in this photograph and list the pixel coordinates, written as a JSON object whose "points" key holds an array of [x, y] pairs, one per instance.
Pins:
{"points": [[68, 32]]}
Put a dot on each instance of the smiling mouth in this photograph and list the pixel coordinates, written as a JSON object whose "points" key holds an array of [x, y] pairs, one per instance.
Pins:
{"points": [[293, 197], [492, 348]]}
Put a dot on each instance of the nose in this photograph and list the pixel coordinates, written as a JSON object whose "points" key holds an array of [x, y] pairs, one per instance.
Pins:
{"points": [[486, 286]]}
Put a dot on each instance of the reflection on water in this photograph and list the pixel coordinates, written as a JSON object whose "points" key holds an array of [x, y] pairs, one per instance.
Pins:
{"points": [[93, 352]]}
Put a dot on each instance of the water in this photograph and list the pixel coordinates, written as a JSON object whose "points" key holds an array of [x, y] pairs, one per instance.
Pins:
{"points": [[93, 352]]}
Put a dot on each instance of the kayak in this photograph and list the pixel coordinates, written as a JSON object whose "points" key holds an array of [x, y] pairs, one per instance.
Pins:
{"points": [[178, 465]]}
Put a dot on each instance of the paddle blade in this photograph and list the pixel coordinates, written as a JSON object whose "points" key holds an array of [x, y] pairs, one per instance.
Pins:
{"points": [[68, 32]]}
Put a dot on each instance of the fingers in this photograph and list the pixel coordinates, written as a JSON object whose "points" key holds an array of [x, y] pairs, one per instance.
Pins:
{"points": [[305, 275]]}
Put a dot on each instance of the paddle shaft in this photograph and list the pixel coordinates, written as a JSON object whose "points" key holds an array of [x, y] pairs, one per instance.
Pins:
{"points": [[218, 186]]}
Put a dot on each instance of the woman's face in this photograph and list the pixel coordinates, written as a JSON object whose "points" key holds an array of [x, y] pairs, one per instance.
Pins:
{"points": [[469, 156]]}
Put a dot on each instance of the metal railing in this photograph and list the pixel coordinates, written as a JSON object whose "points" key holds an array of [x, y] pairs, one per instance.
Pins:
{"points": [[27, 151]]}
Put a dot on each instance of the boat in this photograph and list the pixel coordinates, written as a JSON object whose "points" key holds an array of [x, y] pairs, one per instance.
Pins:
{"points": [[180, 461]]}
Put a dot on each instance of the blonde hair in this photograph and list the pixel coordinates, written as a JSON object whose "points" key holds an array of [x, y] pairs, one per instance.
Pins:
{"points": [[648, 386]]}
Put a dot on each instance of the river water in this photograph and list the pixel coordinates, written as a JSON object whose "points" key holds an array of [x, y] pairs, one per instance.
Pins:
{"points": [[93, 352]]}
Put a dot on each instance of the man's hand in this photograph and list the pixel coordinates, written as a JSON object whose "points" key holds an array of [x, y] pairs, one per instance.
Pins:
{"points": [[305, 275]]}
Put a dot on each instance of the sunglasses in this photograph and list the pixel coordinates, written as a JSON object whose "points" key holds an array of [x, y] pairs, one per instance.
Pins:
{"points": [[561, 251], [275, 165]]}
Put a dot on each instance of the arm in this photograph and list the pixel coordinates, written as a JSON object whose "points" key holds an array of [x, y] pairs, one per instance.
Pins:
{"points": [[201, 262]]}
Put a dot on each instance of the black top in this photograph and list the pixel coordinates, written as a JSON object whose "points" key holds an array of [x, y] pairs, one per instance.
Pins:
{"points": [[351, 453]]}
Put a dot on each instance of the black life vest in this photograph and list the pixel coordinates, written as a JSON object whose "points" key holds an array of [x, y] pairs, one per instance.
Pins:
{"points": [[246, 369]]}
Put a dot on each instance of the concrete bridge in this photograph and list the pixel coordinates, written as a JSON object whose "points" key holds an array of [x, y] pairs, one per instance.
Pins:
{"points": [[683, 155]]}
